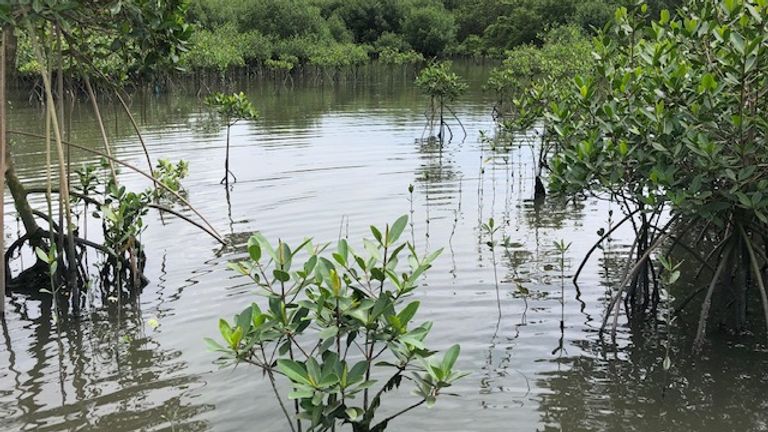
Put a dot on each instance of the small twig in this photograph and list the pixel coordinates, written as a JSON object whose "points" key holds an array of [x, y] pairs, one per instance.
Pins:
{"points": [[398, 414], [600, 241]]}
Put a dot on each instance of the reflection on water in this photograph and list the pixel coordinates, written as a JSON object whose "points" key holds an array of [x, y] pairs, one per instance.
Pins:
{"points": [[328, 162]]}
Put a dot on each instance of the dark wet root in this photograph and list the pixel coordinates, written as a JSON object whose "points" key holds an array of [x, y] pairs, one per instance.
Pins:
{"points": [[118, 274], [731, 277]]}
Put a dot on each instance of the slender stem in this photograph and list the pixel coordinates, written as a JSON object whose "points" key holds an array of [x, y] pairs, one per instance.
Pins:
{"points": [[49, 206], [3, 43], [702, 327], [138, 134], [138, 171], [274, 389], [600, 241], [757, 272], [97, 112], [63, 184], [399, 413]]}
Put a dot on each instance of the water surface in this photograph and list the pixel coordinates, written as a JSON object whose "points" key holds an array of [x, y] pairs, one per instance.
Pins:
{"points": [[330, 161]]}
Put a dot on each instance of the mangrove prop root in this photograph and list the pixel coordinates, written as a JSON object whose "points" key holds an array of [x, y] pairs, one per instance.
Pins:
{"points": [[599, 242], [705, 306], [613, 308], [757, 273]]}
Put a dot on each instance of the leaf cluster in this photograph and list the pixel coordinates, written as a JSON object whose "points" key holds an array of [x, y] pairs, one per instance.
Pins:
{"points": [[673, 113], [335, 323], [438, 82], [232, 107]]}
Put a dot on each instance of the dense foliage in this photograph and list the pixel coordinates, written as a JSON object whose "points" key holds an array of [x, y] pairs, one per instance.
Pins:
{"points": [[564, 53], [339, 328], [292, 35], [325, 33], [672, 118]]}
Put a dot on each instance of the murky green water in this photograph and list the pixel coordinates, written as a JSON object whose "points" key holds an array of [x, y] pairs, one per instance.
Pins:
{"points": [[320, 157]]}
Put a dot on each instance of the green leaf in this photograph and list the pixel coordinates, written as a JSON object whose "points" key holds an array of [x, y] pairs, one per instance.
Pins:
{"points": [[708, 83], [328, 332], [313, 370], [408, 313], [225, 329], [301, 394], [236, 337], [213, 345], [254, 250], [343, 250], [372, 249], [376, 233], [397, 229], [450, 358], [42, 255], [295, 371], [281, 275], [357, 372], [353, 413], [664, 16]]}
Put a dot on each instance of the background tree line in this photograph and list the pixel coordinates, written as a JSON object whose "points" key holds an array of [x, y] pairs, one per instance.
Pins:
{"points": [[285, 35]]}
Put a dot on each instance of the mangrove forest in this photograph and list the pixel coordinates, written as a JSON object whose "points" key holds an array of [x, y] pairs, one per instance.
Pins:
{"points": [[378, 215]]}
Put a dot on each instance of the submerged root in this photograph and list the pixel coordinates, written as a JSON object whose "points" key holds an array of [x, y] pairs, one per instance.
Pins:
{"points": [[126, 270]]}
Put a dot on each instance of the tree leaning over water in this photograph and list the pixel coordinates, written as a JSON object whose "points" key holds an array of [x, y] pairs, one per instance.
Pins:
{"points": [[672, 121]]}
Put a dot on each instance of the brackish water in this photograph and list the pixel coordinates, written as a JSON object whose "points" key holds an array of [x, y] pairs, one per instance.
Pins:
{"points": [[329, 162]]}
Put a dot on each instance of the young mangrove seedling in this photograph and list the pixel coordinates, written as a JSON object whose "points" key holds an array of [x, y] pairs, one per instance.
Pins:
{"points": [[334, 324], [231, 108], [443, 88]]}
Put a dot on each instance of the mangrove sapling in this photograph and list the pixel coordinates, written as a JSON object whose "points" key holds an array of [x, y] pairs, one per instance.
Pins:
{"points": [[231, 108], [170, 175], [670, 273], [121, 212], [443, 88], [333, 325]]}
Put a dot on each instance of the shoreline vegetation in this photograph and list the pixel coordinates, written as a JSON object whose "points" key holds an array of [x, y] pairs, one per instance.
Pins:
{"points": [[660, 113], [333, 40]]}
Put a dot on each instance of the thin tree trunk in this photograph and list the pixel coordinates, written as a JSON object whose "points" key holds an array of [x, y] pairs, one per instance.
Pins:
{"points": [[3, 137], [97, 112], [226, 159], [63, 184]]}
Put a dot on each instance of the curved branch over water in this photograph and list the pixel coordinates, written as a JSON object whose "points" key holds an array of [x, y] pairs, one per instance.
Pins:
{"points": [[213, 231]]}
